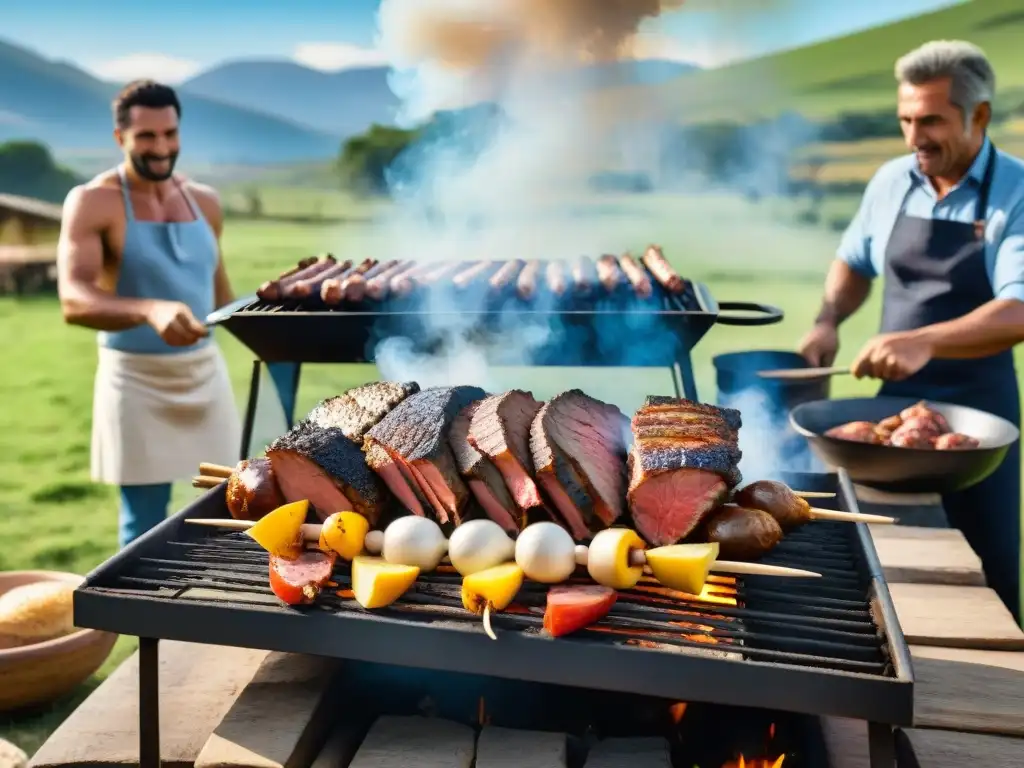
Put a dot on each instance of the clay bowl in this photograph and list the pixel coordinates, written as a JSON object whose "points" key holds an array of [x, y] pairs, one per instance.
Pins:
{"points": [[39, 673]]}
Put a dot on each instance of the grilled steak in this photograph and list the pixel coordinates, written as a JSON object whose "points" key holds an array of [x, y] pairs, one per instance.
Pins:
{"points": [[322, 465], [358, 409], [482, 477], [500, 429], [579, 450], [415, 435], [681, 466]]}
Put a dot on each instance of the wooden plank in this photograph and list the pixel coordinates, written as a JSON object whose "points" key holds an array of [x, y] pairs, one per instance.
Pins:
{"points": [[846, 742], [955, 617], [507, 748], [281, 720], [947, 749], [424, 742], [198, 685], [342, 745], [630, 753], [927, 555], [966, 690]]}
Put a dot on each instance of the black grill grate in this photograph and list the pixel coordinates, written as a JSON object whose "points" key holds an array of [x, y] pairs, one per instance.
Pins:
{"points": [[822, 645]]}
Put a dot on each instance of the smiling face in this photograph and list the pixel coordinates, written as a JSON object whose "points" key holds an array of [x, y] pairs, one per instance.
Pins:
{"points": [[150, 141], [935, 130]]}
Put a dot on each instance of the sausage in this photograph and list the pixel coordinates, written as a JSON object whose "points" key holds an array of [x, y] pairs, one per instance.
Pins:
{"points": [[916, 432], [655, 261], [270, 290], [954, 441], [403, 283], [637, 277], [922, 409], [465, 278], [438, 273], [778, 500], [608, 273], [584, 276], [742, 533], [252, 490], [279, 290], [331, 291], [526, 284], [353, 287], [299, 581], [308, 286], [554, 275], [506, 275], [377, 288]]}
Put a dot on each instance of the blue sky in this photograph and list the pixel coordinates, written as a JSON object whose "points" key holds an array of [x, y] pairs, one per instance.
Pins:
{"points": [[121, 39]]}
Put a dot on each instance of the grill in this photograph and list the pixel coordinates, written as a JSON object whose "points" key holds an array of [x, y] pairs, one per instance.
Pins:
{"points": [[571, 330], [828, 646]]}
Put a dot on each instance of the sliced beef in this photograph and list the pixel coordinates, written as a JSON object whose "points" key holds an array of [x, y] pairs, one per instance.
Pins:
{"points": [[500, 429], [322, 465], [483, 478], [405, 490], [358, 409], [682, 465], [415, 435], [578, 446]]}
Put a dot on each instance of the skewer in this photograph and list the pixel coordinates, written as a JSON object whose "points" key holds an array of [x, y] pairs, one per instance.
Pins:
{"points": [[215, 470], [311, 532], [207, 481], [814, 494], [850, 517]]}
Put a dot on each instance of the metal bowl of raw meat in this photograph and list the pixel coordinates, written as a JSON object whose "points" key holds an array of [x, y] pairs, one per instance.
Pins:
{"points": [[905, 469]]}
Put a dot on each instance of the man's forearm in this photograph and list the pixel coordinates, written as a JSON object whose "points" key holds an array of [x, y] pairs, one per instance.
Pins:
{"points": [[845, 293], [94, 308], [992, 328]]}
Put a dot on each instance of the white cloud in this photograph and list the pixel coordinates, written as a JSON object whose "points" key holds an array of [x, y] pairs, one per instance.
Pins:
{"points": [[157, 66], [331, 57], [707, 54]]}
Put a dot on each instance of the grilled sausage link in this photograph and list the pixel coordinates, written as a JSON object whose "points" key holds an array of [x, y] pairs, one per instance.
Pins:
{"points": [[271, 289], [468, 276], [655, 261], [377, 288], [310, 285], [636, 276], [353, 287], [554, 276], [330, 289], [285, 285], [526, 283], [506, 275], [608, 273], [584, 275], [742, 533]]}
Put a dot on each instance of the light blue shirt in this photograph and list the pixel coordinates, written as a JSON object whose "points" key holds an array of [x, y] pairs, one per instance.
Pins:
{"points": [[900, 185]]}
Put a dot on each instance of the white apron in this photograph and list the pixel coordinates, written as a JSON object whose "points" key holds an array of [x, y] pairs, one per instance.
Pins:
{"points": [[156, 417]]}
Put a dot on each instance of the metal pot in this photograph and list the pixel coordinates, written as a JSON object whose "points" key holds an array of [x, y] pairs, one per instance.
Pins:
{"points": [[739, 386]]}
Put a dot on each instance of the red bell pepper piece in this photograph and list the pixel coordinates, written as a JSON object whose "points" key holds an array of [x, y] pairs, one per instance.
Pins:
{"points": [[298, 581], [571, 608]]}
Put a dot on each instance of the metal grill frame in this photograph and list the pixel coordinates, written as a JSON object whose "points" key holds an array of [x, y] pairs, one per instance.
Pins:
{"points": [[882, 700]]}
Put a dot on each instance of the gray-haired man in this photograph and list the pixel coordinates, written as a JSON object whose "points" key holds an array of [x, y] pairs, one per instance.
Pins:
{"points": [[945, 226]]}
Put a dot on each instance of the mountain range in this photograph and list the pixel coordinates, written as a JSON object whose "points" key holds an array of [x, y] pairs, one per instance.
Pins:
{"points": [[254, 112]]}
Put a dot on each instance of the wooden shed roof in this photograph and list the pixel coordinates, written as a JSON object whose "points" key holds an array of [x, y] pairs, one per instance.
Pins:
{"points": [[29, 206]]}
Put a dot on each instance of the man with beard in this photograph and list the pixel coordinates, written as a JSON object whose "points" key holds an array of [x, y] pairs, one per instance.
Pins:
{"points": [[945, 226], [139, 261]]}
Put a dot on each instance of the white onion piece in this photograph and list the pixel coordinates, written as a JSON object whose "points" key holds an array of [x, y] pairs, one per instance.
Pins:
{"points": [[546, 553], [414, 540], [477, 545]]}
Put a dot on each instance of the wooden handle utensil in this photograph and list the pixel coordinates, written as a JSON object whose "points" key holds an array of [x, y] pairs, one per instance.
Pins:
{"points": [[803, 374]]}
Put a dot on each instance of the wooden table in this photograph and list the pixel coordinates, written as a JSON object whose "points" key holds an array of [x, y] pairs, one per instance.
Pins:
{"points": [[969, 699]]}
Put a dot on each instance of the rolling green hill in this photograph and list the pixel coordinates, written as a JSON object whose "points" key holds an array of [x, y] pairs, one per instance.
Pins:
{"points": [[847, 74]]}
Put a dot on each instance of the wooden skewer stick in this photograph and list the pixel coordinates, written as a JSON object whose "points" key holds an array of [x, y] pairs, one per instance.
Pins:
{"points": [[814, 494], [206, 481], [850, 517], [311, 532], [215, 470]]}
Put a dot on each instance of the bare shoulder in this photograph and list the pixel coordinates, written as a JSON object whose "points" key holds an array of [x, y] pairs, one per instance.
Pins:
{"points": [[207, 198], [95, 202]]}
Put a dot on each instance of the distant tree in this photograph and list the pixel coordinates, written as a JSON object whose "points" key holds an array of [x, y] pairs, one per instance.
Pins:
{"points": [[27, 168], [364, 160]]}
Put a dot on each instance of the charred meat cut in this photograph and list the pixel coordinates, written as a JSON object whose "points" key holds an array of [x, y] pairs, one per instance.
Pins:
{"points": [[954, 441], [415, 435], [681, 466], [919, 426], [500, 429], [483, 478], [358, 409], [323, 465], [857, 432], [578, 446], [252, 490]]}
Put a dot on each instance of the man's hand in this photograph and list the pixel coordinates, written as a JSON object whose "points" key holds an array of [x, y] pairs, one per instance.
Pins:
{"points": [[892, 356], [819, 347], [175, 323]]}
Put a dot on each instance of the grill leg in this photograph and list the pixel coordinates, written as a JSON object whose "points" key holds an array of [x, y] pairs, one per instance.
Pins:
{"points": [[682, 378], [149, 702], [882, 745], [250, 409]]}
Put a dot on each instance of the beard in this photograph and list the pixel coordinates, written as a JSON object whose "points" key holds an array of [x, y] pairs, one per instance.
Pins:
{"points": [[143, 165]]}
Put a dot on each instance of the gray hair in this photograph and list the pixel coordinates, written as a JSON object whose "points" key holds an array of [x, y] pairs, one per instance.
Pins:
{"points": [[972, 78]]}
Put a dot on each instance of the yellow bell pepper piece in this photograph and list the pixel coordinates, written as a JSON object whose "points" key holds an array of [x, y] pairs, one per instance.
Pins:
{"points": [[280, 532], [496, 587], [684, 567], [377, 583], [344, 533], [608, 558]]}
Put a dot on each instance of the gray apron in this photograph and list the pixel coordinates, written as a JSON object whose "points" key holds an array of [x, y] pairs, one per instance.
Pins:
{"points": [[935, 272]]}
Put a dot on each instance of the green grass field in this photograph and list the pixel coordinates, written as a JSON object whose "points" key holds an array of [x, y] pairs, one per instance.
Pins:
{"points": [[54, 517]]}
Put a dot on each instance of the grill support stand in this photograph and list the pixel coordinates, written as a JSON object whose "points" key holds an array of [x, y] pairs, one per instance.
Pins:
{"points": [[881, 745], [149, 702]]}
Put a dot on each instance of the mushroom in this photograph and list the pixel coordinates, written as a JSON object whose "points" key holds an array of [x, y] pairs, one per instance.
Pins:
{"points": [[546, 553], [477, 545], [414, 540]]}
